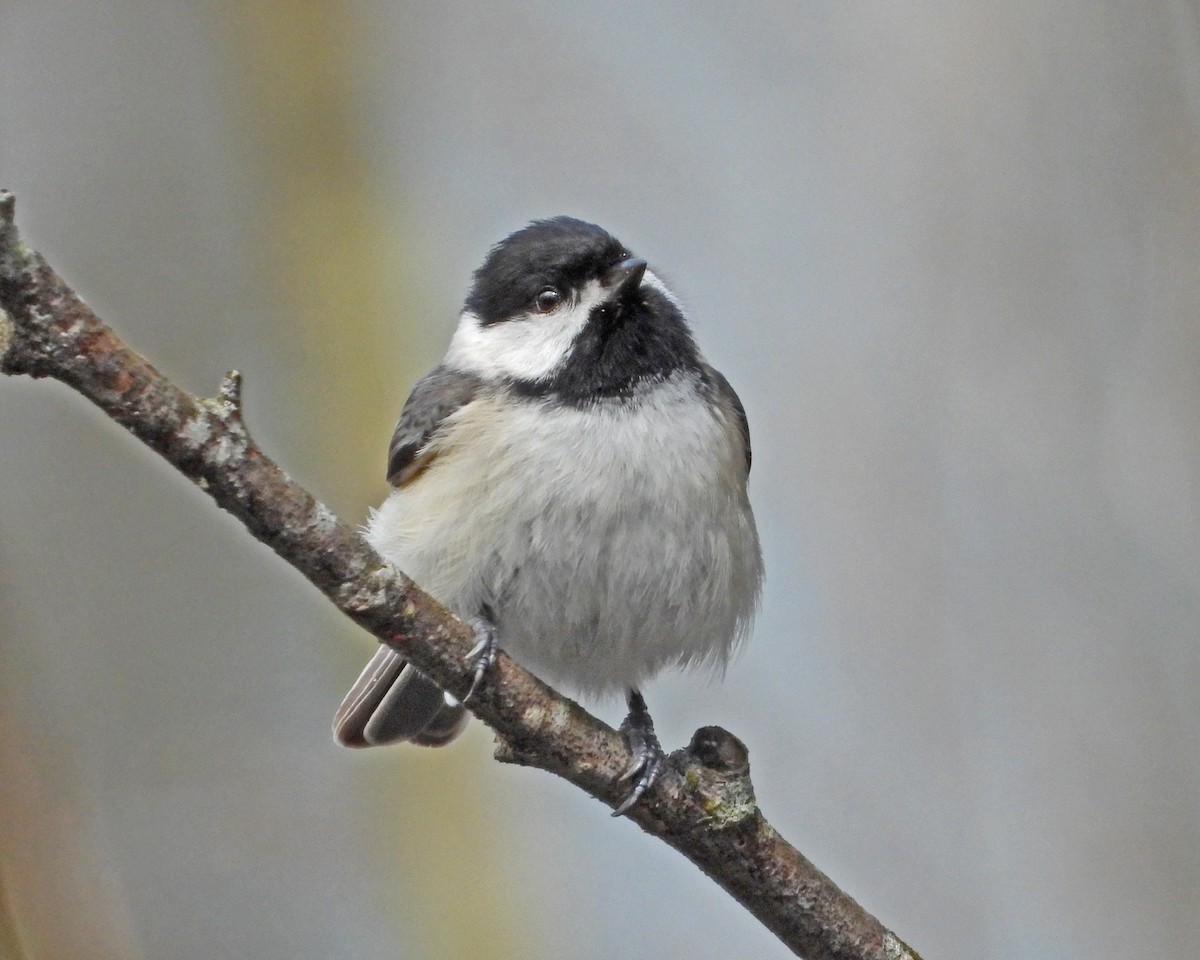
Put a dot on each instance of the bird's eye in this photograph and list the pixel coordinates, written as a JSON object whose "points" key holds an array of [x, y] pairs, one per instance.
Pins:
{"points": [[547, 300]]}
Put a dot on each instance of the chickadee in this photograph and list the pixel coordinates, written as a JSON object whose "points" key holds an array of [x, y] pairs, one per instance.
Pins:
{"points": [[571, 479]]}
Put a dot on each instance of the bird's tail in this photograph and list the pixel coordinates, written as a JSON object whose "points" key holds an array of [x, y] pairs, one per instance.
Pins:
{"points": [[392, 701]]}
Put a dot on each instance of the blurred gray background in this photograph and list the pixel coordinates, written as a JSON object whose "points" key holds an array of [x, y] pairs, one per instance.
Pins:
{"points": [[948, 253]]}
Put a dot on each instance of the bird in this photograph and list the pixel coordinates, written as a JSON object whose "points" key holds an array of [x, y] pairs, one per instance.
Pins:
{"points": [[571, 480]]}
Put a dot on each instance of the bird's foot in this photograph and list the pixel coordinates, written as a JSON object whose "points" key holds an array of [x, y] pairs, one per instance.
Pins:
{"points": [[647, 752], [483, 654]]}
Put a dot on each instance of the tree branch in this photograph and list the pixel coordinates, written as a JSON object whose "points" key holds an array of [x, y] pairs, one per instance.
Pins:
{"points": [[703, 803]]}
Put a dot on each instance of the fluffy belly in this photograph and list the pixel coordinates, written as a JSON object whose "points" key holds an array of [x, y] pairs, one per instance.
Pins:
{"points": [[605, 546]]}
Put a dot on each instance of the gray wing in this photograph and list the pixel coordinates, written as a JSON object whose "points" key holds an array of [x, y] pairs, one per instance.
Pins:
{"points": [[391, 700], [727, 395], [437, 395]]}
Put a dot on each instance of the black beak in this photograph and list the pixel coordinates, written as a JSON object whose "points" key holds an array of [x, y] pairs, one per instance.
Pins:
{"points": [[624, 278]]}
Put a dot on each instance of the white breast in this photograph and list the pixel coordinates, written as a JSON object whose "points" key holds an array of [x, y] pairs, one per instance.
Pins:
{"points": [[608, 542]]}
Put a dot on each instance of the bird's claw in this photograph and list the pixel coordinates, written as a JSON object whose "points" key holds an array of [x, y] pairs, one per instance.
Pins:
{"points": [[483, 654], [646, 767], [648, 754]]}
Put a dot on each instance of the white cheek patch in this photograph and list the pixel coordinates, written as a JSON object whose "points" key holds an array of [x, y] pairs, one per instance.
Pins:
{"points": [[527, 347]]}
